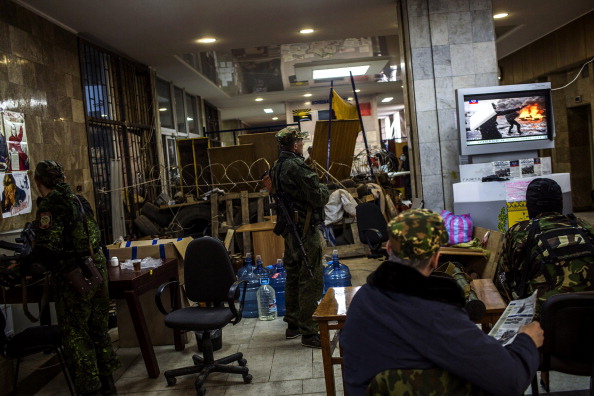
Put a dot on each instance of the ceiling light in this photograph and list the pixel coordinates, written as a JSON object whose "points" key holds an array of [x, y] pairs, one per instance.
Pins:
{"points": [[349, 99], [388, 99], [259, 99], [274, 118], [163, 109], [500, 15], [357, 90], [307, 103], [307, 95], [340, 72], [189, 119], [206, 40], [306, 31], [268, 111]]}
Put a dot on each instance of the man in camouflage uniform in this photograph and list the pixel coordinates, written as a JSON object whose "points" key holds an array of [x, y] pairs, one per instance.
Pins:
{"points": [[523, 268], [406, 327], [300, 185], [62, 243]]}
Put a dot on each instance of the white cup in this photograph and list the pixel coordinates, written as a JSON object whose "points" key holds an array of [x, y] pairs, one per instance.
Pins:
{"points": [[114, 262]]}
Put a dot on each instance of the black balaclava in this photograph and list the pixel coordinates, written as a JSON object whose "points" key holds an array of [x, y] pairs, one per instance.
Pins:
{"points": [[543, 195]]}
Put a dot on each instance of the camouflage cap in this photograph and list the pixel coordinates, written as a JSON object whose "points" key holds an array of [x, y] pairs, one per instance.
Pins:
{"points": [[419, 233], [49, 170], [287, 136]]}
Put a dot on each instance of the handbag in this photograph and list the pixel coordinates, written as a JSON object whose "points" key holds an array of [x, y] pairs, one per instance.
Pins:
{"points": [[459, 227], [85, 276]]}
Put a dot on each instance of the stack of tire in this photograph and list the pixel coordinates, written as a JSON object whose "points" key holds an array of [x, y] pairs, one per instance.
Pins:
{"points": [[191, 221]]}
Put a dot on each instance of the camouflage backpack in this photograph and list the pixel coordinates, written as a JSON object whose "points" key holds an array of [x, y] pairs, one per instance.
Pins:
{"points": [[552, 245]]}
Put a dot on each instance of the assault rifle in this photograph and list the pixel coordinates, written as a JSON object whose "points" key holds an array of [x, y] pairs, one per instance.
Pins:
{"points": [[284, 220], [22, 247]]}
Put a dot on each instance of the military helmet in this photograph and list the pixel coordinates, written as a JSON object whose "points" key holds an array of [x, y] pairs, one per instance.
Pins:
{"points": [[49, 173], [289, 135], [418, 234], [543, 195]]}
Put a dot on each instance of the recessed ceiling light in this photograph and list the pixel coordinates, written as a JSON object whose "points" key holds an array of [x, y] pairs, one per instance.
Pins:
{"points": [[307, 95], [349, 99], [307, 103], [268, 111], [357, 90], [189, 119], [500, 15], [340, 72], [163, 109], [306, 31], [206, 40], [274, 118], [388, 99], [259, 99]]}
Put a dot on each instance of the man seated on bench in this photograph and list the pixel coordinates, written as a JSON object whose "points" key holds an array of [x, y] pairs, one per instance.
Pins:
{"points": [[403, 321]]}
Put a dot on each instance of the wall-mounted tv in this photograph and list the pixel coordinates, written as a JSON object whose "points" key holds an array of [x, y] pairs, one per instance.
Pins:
{"points": [[505, 118]]}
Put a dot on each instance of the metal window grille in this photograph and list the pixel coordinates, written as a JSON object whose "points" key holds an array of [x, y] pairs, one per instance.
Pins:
{"points": [[121, 129]]}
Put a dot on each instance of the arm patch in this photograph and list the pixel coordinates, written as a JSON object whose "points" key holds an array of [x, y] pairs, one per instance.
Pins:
{"points": [[45, 220]]}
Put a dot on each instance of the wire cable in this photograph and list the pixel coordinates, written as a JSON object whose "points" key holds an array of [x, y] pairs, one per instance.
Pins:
{"points": [[576, 77]]}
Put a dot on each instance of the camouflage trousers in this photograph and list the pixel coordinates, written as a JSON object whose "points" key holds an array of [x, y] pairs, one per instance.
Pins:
{"points": [[430, 382], [83, 323], [302, 292]]}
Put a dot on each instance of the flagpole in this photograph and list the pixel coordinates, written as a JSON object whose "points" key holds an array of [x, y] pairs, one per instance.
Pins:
{"points": [[329, 127], [362, 126]]}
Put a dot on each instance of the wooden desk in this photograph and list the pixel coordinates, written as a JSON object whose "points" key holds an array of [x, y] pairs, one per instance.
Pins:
{"points": [[487, 292], [129, 285], [265, 243], [332, 308]]}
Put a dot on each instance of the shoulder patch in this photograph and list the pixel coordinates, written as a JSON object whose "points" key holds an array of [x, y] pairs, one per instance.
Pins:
{"points": [[45, 220]]}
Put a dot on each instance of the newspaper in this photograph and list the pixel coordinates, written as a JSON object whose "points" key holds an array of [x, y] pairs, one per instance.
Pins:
{"points": [[517, 314]]}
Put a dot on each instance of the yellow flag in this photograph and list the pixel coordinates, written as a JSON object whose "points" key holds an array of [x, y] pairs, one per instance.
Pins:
{"points": [[342, 109]]}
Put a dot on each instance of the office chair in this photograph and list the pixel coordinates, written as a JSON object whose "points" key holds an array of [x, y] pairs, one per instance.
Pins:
{"points": [[373, 229], [568, 323], [31, 341], [209, 279]]}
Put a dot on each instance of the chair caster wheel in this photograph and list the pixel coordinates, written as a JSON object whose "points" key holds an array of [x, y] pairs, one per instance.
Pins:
{"points": [[171, 381], [242, 362], [247, 379]]}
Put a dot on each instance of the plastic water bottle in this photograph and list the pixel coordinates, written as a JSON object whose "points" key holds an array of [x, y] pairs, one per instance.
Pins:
{"points": [[248, 263], [250, 305], [260, 271], [278, 281], [266, 300], [336, 274]]}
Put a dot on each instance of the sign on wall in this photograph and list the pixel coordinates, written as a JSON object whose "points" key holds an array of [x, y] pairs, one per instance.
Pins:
{"points": [[14, 133]]}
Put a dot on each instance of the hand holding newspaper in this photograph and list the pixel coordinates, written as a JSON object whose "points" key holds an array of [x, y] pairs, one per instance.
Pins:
{"points": [[517, 314]]}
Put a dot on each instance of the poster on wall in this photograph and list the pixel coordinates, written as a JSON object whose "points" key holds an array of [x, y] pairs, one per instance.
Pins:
{"points": [[15, 134], [16, 194], [3, 148]]}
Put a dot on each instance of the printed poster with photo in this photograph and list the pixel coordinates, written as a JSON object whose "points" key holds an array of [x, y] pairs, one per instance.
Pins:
{"points": [[15, 134], [16, 194], [3, 148]]}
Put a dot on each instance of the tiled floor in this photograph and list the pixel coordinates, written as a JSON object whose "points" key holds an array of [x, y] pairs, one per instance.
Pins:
{"points": [[278, 366]]}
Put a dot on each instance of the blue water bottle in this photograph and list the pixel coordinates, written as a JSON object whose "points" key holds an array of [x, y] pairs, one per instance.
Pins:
{"points": [[248, 263], [250, 305], [336, 274], [278, 281], [260, 271]]}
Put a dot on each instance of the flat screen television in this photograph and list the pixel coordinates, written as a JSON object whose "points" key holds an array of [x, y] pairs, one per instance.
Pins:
{"points": [[500, 119]]}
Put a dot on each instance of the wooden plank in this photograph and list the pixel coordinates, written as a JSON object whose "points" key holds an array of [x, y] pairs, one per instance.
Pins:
{"points": [[453, 251], [265, 147], [245, 219], [228, 172], [229, 240], [354, 250], [229, 211], [260, 203], [343, 138], [214, 215]]}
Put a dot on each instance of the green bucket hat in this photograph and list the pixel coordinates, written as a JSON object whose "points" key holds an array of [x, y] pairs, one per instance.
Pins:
{"points": [[49, 170], [287, 136], [420, 233]]}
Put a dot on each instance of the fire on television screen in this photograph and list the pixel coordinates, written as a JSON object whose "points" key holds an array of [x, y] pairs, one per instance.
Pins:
{"points": [[505, 118]]}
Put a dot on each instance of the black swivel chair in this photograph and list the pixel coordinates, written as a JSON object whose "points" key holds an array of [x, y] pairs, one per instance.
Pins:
{"points": [[33, 340], [568, 323], [210, 279], [373, 229]]}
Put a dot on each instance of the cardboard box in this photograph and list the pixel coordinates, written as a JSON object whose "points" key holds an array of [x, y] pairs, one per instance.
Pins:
{"points": [[166, 248]]}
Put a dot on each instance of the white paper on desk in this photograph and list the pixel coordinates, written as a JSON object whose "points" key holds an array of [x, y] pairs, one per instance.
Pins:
{"points": [[517, 314], [147, 262]]}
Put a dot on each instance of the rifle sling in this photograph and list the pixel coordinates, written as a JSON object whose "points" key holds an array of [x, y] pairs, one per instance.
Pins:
{"points": [[43, 303]]}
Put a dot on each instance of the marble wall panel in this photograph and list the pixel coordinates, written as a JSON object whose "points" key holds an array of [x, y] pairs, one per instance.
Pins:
{"points": [[448, 128], [419, 32], [422, 63], [439, 29], [442, 61], [430, 155], [424, 95], [455, 6], [460, 28], [438, 6], [486, 79], [462, 59], [4, 41], [417, 8], [484, 56], [482, 26], [467, 81], [427, 126], [433, 192], [481, 5], [444, 93]]}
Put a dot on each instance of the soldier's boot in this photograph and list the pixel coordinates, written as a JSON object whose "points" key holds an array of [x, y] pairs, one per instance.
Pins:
{"points": [[292, 332], [311, 341], [107, 385]]}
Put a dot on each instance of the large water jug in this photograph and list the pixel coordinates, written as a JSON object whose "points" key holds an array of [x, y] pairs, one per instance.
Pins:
{"points": [[248, 263], [250, 306], [260, 271], [336, 274], [278, 281], [266, 300]]}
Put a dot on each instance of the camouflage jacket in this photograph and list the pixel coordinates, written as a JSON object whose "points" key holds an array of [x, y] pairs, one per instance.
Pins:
{"points": [[60, 236], [300, 184], [565, 275]]}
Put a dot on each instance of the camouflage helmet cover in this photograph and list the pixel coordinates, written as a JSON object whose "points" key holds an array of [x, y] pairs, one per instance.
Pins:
{"points": [[287, 136], [418, 232], [49, 170]]}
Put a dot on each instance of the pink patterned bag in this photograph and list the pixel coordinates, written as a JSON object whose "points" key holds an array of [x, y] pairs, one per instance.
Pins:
{"points": [[459, 227]]}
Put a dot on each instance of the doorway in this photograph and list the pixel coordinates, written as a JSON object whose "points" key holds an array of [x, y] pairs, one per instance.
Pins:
{"points": [[579, 126]]}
